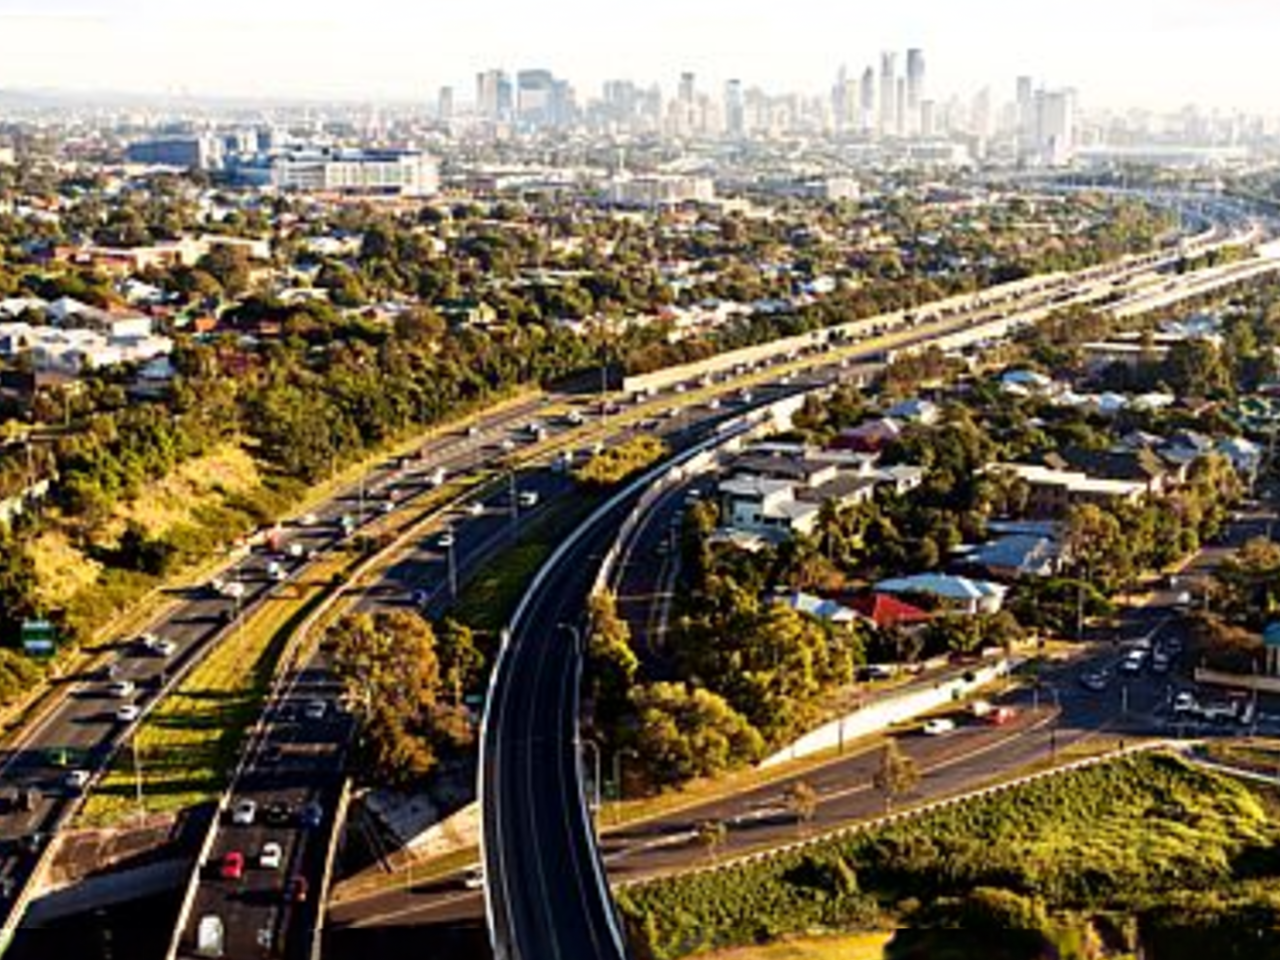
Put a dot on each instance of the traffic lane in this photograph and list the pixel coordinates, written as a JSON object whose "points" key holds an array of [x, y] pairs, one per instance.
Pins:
{"points": [[540, 860]]}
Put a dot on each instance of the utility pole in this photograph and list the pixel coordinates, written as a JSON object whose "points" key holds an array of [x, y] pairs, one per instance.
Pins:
{"points": [[137, 777], [515, 505]]}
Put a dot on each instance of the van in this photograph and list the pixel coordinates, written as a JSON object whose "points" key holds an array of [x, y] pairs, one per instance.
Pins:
{"points": [[210, 936]]}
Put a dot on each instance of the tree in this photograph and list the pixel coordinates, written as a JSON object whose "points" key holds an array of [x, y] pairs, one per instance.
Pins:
{"points": [[461, 662], [896, 775], [711, 836], [680, 734], [802, 800]]}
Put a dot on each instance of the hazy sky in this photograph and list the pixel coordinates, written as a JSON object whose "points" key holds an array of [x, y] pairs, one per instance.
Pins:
{"points": [[1158, 53]]}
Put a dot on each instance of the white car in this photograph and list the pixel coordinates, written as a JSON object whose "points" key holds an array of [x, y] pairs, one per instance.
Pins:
{"points": [[244, 813], [475, 509], [938, 726], [120, 689], [75, 780], [473, 879], [128, 713], [271, 856], [160, 647], [446, 540], [308, 520], [527, 498]]}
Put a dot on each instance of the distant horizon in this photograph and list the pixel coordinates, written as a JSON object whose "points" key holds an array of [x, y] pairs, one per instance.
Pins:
{"points": [[1139, 55]]}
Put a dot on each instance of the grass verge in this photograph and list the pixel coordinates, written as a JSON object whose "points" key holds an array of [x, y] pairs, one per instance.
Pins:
{"points": [[854, 946]]}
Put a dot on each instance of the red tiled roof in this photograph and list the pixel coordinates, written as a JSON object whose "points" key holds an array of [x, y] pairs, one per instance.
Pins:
{"points": [[886, 611]]}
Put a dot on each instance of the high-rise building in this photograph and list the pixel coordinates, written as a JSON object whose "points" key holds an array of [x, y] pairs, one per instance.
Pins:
{"points": [[444, 105], [1055, 126], [535, 98], [493, 95], [900, 107], [888, 93], [867, 101], [915, 89], [202, 152], [734, 113], [1025, 116]]}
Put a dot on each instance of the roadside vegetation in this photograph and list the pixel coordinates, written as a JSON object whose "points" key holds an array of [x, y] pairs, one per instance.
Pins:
{"points": [[621, 461], [1147, 850]]}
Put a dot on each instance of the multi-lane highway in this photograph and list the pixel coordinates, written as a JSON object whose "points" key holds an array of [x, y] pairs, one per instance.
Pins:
{"points": [[41, 760]]}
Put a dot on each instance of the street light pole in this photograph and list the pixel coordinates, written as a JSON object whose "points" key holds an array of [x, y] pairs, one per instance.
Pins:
{"points": [[595, 753], [453, 568], [137, 778]]}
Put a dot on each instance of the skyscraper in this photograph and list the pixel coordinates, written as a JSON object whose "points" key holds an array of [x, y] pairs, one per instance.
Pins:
{"points": [[915, 89], [493, 95], [867, 101], [888, 93], [535, 92], [444, 105], [1055, 126], [734, 115]]}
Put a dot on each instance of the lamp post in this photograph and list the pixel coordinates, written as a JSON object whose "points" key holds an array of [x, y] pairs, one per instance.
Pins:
{"points": [[452, 565], [595, 753]]}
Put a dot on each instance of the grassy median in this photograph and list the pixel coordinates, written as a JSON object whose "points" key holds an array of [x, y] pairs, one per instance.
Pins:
{"points": [[189, 744]]}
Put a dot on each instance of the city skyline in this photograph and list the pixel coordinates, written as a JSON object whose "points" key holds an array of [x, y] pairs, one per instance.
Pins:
{"points": [[1143, 54]]}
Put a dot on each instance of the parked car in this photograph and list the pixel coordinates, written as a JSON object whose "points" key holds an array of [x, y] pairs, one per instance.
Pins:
{"points": [[232, 865], [937, 726], [271, 855]]}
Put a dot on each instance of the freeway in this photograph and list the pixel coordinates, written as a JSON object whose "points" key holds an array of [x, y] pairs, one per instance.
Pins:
{"points": [[65, 736], [50, 765]]}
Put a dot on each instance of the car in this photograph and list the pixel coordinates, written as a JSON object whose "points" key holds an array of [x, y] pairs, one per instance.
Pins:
{"points": [[244, 812], [938, 726], [1184, 702], [276, 571], [1160, 662], [388, 506], [1133, 662], [315, 710], [573, 418], [270, 856], [438, 477], [527, 498], [128, 713], [277, 813], [473, 877], [231, 867], [119, 689], [1095, 680], [308, 520], [75, 780], [713, 403], [507, 445], [311, 815], [473, 431], [297, 551], [475, 509], [159, 646], [270, 756], [1000, 716], [446, 540], [295, 891]]}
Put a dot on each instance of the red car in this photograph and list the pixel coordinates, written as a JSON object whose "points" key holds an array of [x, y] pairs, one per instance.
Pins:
{"points": [[1000, 716], [232, 866]]}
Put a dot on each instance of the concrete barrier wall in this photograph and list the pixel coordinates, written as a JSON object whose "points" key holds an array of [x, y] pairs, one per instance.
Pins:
{"points": [[326, 878], [1246, 681], [885, 713]]}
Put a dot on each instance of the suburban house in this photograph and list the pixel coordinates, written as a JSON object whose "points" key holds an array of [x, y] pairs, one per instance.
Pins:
{"points": [[1016, 556], [924, 412], [1144, 466], [1052, 492], [779, 489], [883, 610], [820, 607], [959, 594], [870, 437]]}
